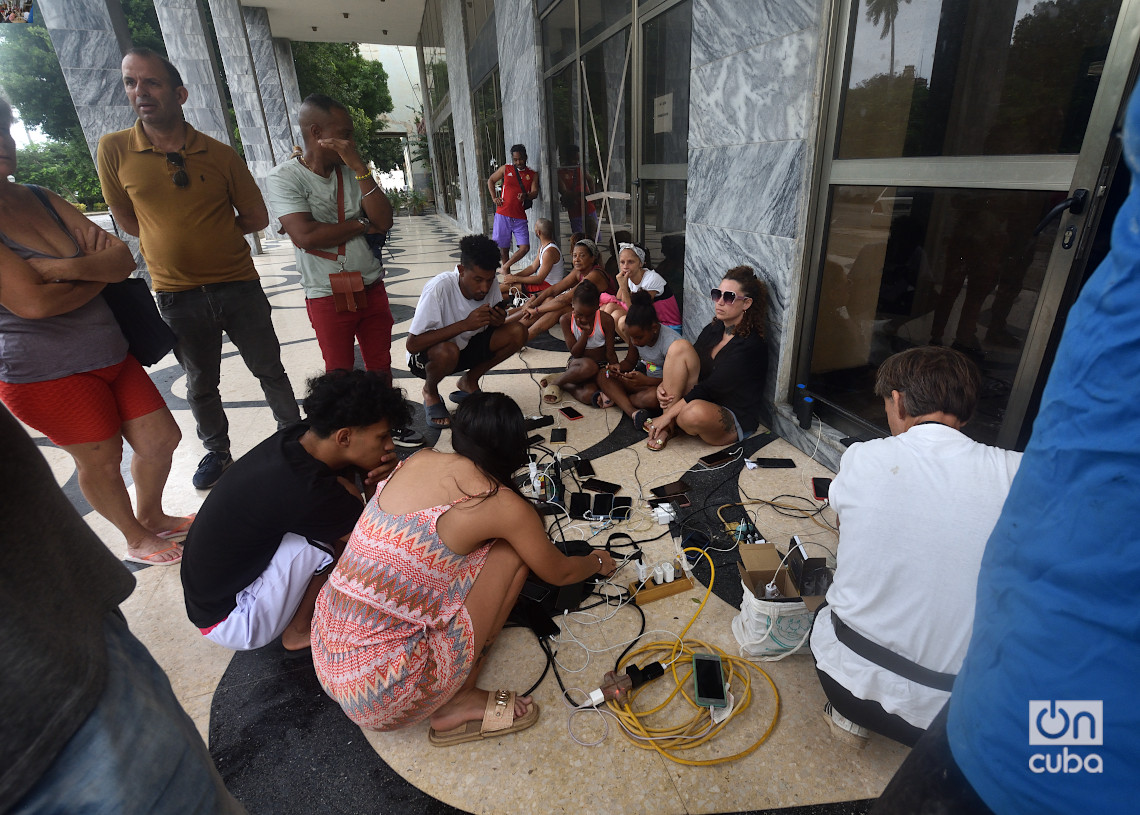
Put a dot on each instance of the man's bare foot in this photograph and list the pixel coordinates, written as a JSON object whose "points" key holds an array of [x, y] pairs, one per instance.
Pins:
{"points": [[153, 549], [468, 706], [295, 640]]}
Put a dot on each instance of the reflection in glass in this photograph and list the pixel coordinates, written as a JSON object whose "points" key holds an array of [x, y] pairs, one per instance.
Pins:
{"points": [[598, 15], [912, 266], [573, 184], [448, 186], [663, 228], [972, 77], [665, 114], [558, 40], [610, 105], [490, 144], [435, 59]]}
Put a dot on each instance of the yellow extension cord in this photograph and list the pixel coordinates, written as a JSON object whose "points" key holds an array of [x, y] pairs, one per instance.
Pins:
{"points": [[695, 732]]}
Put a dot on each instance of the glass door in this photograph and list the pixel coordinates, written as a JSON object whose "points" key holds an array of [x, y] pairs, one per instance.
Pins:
{"points": [[663, 139], [970, 154]]}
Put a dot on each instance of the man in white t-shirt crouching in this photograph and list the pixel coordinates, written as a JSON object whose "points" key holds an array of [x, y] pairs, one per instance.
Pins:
{"points": [[915, 512], [459, 326]]}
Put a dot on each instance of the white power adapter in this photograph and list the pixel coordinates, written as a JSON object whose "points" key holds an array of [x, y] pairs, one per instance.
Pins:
{"points": [[665, 513], [659, 574], [668, 570]]}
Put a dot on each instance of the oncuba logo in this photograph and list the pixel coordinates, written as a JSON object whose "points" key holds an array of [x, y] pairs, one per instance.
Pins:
{"points": [[1064, 723]]}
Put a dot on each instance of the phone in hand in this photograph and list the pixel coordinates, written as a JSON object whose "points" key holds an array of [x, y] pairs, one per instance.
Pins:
{"points": [[501, 306], [708, 681], [570, 413]]}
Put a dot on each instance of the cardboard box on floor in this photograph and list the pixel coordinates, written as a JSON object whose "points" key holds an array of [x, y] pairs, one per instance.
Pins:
{"points": [[760, 563]]}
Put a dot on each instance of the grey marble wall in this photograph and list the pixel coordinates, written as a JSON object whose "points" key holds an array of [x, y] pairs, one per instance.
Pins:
{"points": [[188, 46], [459, 83], [268, 82], [237, 59], [753, 116], [287, 70], [521, 86], [90, 38]]}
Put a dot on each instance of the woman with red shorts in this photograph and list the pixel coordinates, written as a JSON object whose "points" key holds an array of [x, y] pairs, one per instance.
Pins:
{"points": [[64, 366]]}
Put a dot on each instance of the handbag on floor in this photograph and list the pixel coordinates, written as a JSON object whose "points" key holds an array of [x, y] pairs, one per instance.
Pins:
{"points": [[771, 629], [149, 338]]}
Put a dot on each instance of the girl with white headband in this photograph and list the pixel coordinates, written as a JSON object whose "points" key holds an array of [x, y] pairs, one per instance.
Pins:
{"points": [[633, 276]]}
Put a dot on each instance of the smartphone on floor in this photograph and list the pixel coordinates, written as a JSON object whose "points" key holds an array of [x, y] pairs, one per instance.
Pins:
{"points": [[820, 487], [676, 488], [719, 457], [570, 413], [708, 681], [774, 463], [597, 485]]}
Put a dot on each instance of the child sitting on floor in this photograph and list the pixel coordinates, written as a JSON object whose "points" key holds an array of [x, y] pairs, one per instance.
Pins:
{"points": [[589, 334]]}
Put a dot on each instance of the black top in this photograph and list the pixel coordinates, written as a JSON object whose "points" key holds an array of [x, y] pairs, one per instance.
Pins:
{"points": [[735, 377], [275, 488]]}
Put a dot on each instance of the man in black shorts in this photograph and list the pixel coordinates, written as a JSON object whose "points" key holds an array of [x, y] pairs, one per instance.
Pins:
{"points": [[459, 326], [265, 539]]}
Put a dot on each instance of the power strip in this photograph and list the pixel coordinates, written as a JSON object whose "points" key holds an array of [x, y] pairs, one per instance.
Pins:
{"points": [[650, 592]]}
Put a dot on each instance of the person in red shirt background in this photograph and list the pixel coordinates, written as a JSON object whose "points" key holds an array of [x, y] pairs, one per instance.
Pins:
{"points": [[519, 186]]}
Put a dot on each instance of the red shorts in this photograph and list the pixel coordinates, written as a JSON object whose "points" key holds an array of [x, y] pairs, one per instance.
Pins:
{"points": [[535, 288], [87, 407]]}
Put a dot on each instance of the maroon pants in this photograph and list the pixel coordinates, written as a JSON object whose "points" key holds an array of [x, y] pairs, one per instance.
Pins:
{"points": [[339, 331]]}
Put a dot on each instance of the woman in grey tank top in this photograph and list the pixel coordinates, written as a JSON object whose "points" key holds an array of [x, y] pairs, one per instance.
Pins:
{"points": [[64, 366]]}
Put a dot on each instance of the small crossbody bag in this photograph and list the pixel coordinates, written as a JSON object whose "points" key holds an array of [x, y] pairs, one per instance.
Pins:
{"points": [[347, 287]]}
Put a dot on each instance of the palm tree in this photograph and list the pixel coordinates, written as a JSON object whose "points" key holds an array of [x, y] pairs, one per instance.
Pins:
{"points": [[885, 11]]}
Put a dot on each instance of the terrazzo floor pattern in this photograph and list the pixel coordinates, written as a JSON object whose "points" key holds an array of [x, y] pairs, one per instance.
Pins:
{"points": [[283, 747]]}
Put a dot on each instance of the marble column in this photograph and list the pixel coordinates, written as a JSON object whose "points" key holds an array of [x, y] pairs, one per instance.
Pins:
{"points": [[268, 82], [753, 117], [188, 46], [90, 38], [522, 89], [237, 60], [459, 92], [287, 70]]}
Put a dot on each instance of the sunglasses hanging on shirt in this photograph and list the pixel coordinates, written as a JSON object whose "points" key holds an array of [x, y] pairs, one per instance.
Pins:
{"points": [[180, 178]]}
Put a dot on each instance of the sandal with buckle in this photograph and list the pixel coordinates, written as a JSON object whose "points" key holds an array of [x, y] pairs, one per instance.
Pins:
{"points": [[498, 720]]}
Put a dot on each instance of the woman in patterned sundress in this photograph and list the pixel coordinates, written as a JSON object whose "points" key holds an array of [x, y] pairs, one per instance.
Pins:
{"points": [[428, 578]]}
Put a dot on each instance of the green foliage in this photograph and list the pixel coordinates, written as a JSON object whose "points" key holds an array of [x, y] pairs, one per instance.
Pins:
{"points": [[64, 167], [31, 79], [142, 22], [361, 85]]}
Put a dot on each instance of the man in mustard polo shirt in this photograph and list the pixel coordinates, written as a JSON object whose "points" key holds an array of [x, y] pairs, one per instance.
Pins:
{"points": [[177, 189]]}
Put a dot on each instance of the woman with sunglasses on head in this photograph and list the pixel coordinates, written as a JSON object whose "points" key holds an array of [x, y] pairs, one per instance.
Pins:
{"points": [[724, 406], [64, 365], [429, 575]]}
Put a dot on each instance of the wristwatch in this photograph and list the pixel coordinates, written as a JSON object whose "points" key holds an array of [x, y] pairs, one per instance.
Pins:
{"points": [[364, 221]]}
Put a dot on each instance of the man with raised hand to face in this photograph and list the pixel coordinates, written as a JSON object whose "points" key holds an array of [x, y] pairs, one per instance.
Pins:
{"points": [[459, 325], [177, 190], [328, 201]]}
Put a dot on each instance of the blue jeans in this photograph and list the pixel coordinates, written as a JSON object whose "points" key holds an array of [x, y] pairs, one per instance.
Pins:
{"points": [[198, 317], [138, 752]]}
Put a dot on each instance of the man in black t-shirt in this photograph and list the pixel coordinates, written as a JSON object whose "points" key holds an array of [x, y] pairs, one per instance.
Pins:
{"points": [[265, 538]]}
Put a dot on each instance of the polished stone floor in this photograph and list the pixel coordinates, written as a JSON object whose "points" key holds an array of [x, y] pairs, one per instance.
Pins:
{"points": [[283, 747]]}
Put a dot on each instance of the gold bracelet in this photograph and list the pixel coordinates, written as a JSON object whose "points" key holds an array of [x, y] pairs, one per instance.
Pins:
{"points": [[362, 177]]}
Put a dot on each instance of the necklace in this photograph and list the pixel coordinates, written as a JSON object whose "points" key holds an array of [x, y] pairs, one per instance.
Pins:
{"points": [[305, 164]]}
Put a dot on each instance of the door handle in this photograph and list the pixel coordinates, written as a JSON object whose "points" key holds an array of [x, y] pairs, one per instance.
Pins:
{"points": [[636, 182], [1075, 204]]}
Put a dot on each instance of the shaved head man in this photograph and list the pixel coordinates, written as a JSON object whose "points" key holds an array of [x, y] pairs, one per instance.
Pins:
{"points": [[338, 217]]}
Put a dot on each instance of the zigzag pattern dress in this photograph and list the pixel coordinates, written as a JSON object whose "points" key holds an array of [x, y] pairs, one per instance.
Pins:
{"points": [[392, 640]]}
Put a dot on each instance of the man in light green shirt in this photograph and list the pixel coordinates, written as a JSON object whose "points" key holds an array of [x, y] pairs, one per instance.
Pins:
{"points": [[327, 201]]}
